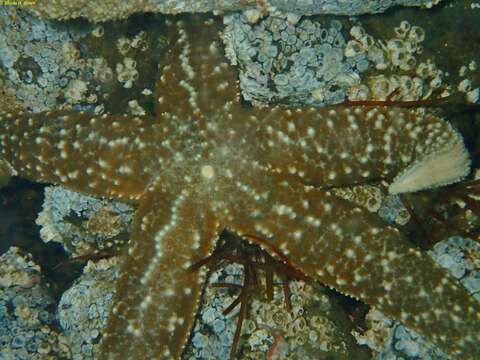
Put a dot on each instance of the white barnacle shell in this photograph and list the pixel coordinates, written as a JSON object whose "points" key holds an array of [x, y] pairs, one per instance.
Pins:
{"points": [[252, 15], [380, 87], [353, 48], [465, 85], [349, 79], [357, 32], [416, 34], [473, 96]]}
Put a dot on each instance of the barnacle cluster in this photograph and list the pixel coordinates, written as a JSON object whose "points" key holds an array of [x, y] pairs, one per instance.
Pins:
{"points": [[127, 72], [387, 206], [213, 332], [83, 224], [27, 312], [460, 256], [393, 210], [290, 59], [38, 60], [314, 327], [368, 196], [466, 85], [44, 65], [395, 59], [84, 307], [402, 74], [399, 51], [285, 58], [309, 330]]}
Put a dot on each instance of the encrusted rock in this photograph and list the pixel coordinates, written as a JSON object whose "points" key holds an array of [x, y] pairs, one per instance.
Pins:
{"points": [[27, 312], [316, 327], [84, 308], [97, 10], [83, 224]]}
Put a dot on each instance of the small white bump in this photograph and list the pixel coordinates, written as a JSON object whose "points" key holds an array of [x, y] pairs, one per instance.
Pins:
{"points": [[207, 171]]}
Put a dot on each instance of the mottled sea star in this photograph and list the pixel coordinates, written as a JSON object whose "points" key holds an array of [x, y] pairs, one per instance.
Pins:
{"points": [[206, 162]]}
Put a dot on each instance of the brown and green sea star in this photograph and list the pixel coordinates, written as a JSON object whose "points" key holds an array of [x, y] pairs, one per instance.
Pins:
{"points": [[205, 162]]}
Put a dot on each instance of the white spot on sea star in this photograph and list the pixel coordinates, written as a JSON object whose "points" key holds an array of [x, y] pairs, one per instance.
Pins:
{"points": [[207, 171]]}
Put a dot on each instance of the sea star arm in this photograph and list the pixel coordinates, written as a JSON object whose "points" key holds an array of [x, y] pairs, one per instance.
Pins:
{"points": [[348, 249], [195, 80], [156, 296], [411, 149], [93, 154]]}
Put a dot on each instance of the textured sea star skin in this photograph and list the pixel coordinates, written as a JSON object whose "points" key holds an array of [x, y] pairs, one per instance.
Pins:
{"points": [[205, 163]]}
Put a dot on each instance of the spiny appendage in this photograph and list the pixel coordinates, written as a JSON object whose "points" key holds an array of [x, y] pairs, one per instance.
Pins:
{"points": [[194, 77], [156, 296], [92, 154], [350, 250], [345, 145]]}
